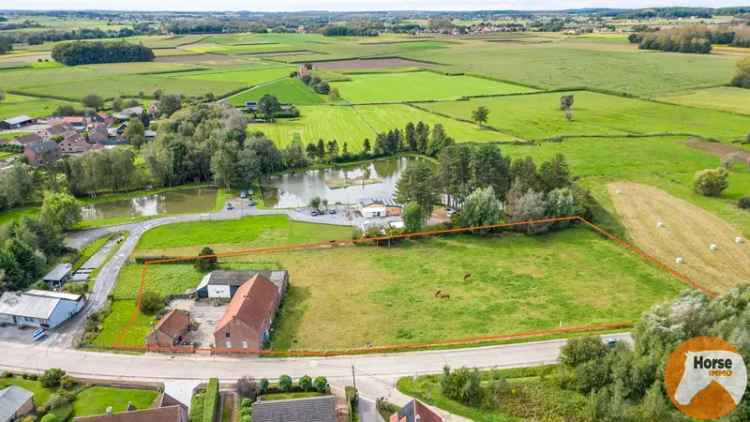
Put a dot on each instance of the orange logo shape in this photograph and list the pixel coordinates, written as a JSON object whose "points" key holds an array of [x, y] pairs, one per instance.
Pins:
{"points": [[705, 377]]}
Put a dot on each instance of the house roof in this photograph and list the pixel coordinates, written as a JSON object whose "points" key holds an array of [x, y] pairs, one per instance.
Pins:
{"points": [[126, 113], [253, 303], [18, 120], [58, 273], [31, 138], [238, 278], [313, 409], [174, 323], [58, 129], [176, 413], [37, 304], [42, 147], [11, 399], [413, 409]]}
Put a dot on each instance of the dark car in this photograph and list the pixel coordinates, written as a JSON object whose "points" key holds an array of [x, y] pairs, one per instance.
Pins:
{"points": [[314, 213], [230, 207], [331, 212]]}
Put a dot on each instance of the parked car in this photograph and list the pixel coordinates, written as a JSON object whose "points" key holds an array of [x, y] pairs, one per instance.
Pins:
{"points": [[315, 213], [243, 194], [39, 334], [252, 203], [332, 212], [230, 207]]}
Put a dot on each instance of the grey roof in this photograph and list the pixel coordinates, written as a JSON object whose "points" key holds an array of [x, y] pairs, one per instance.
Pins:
{"points": [[37, 304], [238, 278], [313, 409], [31, 138], [44, 146], [128, 112], [149, 134], [59, 272], [18, 120], [11, 399]]}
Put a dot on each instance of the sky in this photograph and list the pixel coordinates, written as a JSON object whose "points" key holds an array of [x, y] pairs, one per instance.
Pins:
{"points": [[349, 5]]}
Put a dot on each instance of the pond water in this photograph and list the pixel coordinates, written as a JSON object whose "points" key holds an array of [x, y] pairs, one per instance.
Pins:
{"points": [[339, 185], [183, 201]]}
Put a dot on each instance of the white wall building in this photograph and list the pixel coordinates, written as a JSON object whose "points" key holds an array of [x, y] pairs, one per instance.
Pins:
{"points": [[39, 308]]}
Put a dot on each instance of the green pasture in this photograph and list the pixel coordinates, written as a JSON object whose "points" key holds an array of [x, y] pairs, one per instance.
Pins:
{"points": [[287, 90], [723, 98], [539, 116], [418, 86], [16, 105], [248, 77]]}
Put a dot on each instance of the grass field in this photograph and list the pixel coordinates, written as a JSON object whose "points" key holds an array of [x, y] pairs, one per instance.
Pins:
{"points": [[15, 105], [518, 283], [248, 77], [287, 90], [418, 86], [723, 98], [353, 124], [539, 116]]}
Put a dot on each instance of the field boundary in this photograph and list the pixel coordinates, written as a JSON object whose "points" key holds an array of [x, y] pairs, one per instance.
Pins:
{"points": [[383, 240]]}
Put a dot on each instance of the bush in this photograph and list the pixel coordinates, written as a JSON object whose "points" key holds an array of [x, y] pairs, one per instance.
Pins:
{"points": [[246, 418], [48, 418], [744, 202], [305, 383], [462, 385], [246, 403], [247, 387], [582, 349], [211, 400], [263, 385], [711, 182], [59, 400], [321, 385], [285, 383], [67, 382], [51, 378], [151, 302]]}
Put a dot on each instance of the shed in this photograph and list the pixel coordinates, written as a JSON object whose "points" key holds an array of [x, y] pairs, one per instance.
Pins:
{"points": [[415, 411], [312, 409], [39, 308], [16, 122], [59, 275], [15, 402]]}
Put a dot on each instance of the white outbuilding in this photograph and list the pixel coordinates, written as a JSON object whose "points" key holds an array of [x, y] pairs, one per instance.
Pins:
{"points": [[39, 308]]}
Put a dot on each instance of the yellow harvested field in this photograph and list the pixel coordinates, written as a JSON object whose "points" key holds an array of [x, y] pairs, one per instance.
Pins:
{"points": [[667, 227]]}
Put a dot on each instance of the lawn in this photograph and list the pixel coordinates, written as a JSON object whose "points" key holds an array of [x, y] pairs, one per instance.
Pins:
{"points": [[41, 394], [16, 105], [95, 400], [538, 116], [517, 284], [352, 124], [287, 90], [248, 77], [418, 86], [723, 98]]}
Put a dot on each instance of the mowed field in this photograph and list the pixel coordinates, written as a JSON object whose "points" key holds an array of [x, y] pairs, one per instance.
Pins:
{"points": [[352, 124], [688, 232], [386, 296], [723, 98], [286, 90], [15, 105], [419, 86], [538, 116]]}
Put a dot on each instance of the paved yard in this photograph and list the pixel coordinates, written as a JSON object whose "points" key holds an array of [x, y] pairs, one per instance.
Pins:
{"points": [[205, 314]]}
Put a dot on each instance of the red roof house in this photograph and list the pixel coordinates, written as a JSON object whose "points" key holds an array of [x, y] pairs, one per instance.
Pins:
{"points": [[170, 330]]}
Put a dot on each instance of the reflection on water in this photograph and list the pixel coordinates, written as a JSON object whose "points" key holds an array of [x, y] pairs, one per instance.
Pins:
{"points": [[175, 202], [339, 185]]}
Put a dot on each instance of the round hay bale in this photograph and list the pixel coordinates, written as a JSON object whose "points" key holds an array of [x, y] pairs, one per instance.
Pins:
{"points": [[660, 225], [679, 260], [739, 240], [713, 247], [618, 191]]}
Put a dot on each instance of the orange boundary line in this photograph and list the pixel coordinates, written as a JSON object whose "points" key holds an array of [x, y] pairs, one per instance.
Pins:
{"points": [[118, 345]]}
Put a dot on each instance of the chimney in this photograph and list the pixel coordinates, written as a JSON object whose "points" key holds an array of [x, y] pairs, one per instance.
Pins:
{"points": [[108, 412]]}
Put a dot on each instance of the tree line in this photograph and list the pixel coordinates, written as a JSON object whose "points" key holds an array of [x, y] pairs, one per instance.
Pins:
{"points": [[40, 37], [487, 187], [84, 52], [689, 39]]}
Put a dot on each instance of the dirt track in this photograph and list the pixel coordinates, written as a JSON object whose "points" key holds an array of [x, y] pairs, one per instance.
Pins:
{"points": [[688, 232]]}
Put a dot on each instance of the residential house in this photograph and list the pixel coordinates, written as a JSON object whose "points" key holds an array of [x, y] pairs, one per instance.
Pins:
{"points": [[416, 411], [165, 409], [78, 123], [15, 402], [16, 122], [376, 207], [31, 138], [246, 324], [99, 135], [58, 276], [73, 143], [39, 308], [170, 330], [56, 129], [42, 152], [104, 118], [222, 284], [312, 409]]}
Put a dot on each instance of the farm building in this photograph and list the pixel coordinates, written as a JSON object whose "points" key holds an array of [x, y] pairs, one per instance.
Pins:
{"points": [[73, 143], [15, 402], [39, 308], [42, 152], [16, 122], [29, 139], [415, 411], [59, 275], [56, 129], [374, 207], [170, 330], [246, 324], [223, 284], [165, 409], [317, 409], [127, 113]]}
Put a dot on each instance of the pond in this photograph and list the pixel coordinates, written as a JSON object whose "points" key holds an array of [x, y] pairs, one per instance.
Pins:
{"points": [[183, 201], [339, 185]]}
